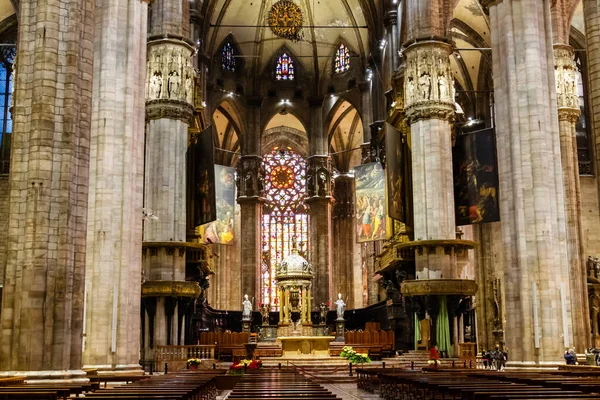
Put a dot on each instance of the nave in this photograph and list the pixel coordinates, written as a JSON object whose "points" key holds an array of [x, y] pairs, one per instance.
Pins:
{"points": [[374, 382]]}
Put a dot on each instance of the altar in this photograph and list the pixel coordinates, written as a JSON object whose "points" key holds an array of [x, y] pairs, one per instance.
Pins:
{"points": [[305, 346]]}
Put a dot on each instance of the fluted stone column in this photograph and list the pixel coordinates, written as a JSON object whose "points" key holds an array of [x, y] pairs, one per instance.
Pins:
{"points": [[43, 297], [532, 210], [318, 191], [114, 245], [565, 72], [169, 108], [250, 200]]}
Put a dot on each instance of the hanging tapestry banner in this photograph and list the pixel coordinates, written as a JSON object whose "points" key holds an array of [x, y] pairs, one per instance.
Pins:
{"points": [[394, 165], [476, 177], [221, 230], [370, 202], [204, 180]]}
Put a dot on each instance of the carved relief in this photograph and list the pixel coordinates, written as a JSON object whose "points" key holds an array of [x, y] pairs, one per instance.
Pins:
{"points": [[565, 76], [428, 83], [170, 72]]}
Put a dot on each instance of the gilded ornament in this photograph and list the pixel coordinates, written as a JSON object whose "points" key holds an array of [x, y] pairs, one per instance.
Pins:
{"points": [[286, 19]]}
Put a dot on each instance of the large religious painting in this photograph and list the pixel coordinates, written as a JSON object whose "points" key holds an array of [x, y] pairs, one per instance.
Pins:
{"points": [[476, 177], [220, 231], [205, 208], [285, 216], [370, 202], [394, 156]]}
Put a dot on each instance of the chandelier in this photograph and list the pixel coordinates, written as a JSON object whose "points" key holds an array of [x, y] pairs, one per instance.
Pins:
{"points": [[285, 20]]}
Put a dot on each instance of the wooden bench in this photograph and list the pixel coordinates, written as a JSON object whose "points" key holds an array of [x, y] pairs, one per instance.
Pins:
{"points": [[278, 385]]}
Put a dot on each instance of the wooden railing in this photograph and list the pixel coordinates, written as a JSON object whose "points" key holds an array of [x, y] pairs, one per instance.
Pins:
{"points": [[179, 353]]}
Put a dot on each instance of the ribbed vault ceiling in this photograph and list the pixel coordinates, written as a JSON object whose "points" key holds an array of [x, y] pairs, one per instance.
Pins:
{"points": [[327, 23]]}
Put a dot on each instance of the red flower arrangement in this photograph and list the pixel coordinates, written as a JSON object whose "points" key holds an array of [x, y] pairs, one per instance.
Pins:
{"points": [[238, 367]]}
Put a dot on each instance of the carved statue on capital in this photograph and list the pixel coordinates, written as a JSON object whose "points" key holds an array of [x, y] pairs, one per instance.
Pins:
{"points": [[428, 82], [318, 177], [566, 80], [170, 72], [250, 177]]}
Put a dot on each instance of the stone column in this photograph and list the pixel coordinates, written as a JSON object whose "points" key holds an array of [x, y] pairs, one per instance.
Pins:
{"points": [[532, 210], [390, 21], [429, 107], [345, 279], [429, 94], [43, 297], [591, 14], [169, 108], [250, 200], [318, 191], [114, 245], [565, 72]]}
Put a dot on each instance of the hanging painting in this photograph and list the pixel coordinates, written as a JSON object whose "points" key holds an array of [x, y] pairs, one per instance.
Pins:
{"points": [[204, 179], [370, 202], [476, 177], [221, 231]]}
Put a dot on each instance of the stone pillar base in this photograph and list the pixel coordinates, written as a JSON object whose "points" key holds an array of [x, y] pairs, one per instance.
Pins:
{"points": [[340, 327], [246, 326], [65, 376]]}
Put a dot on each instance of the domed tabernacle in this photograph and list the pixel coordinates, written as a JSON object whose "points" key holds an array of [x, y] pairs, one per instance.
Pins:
{"points": [[294, 265]]}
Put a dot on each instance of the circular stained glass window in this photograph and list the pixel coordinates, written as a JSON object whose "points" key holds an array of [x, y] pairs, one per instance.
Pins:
{"points": [[282, 177]]}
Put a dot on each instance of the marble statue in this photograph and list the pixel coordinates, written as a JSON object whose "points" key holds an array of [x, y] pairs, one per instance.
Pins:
{"points": [[174, 83], [341, 306], [155, 85], [247, 308]]}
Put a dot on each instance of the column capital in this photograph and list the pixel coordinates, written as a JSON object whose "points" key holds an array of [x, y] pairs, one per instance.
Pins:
{"points": [[565, 77], [318, 177], [428, 82], [250, 178], [390, 18], [170, 79]]}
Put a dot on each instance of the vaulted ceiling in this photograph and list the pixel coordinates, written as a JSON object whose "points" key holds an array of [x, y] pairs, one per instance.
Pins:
{"points": [[326, 22]]}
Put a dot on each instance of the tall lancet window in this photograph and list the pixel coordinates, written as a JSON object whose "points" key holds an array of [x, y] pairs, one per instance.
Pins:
{"points": [[342, 59], [285, 217], [7, 55], [228, 57], [285, 68]]}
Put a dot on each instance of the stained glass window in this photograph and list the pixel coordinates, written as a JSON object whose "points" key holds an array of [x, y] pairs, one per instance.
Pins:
{"points": [[342, 59], [7, 55], [285, 68], [285, 218], [228, 58]]}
